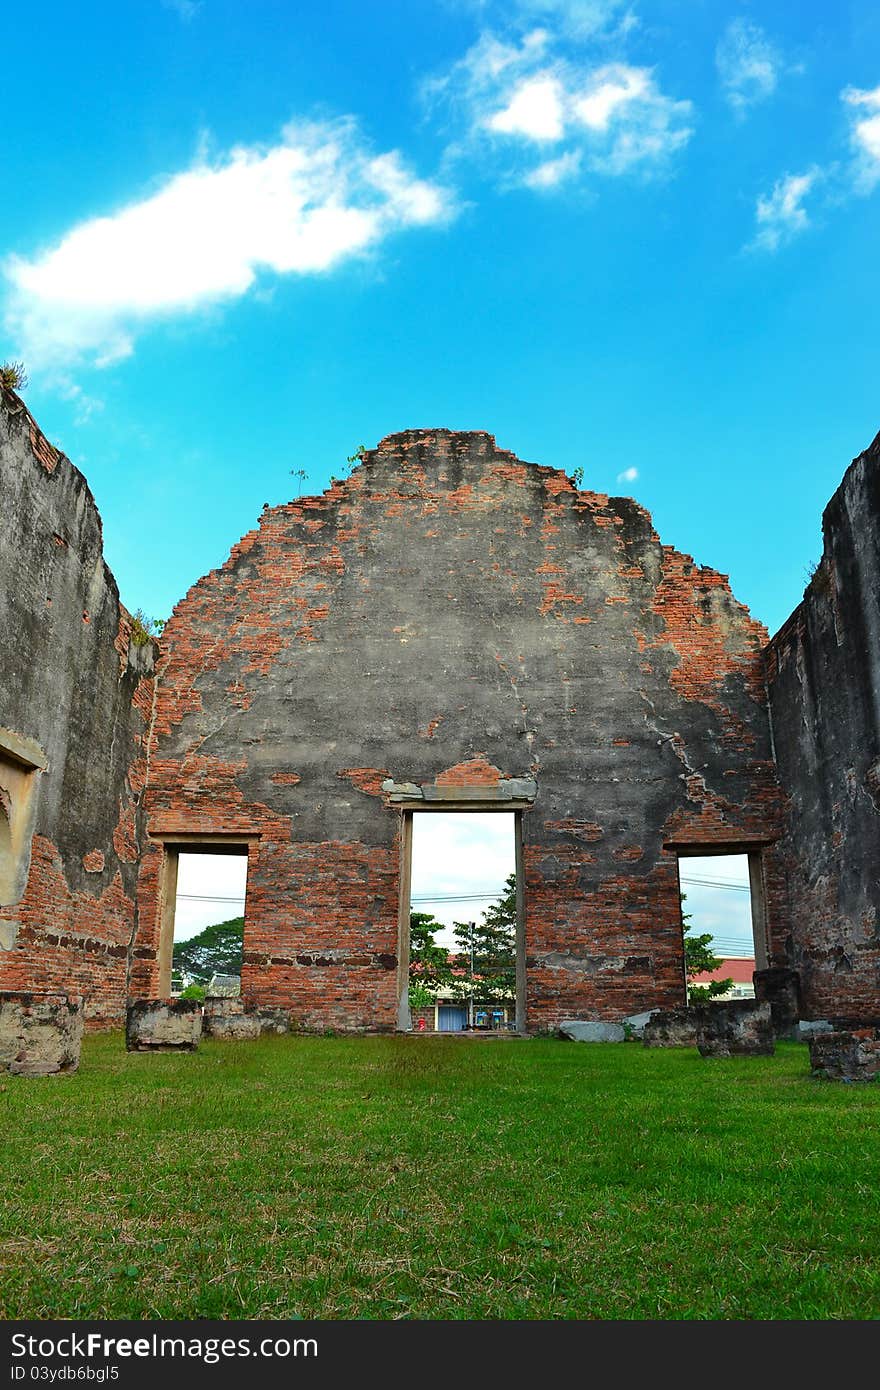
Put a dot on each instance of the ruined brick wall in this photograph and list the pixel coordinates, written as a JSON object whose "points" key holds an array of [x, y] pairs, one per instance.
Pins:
{"points": [[824, 680], [75, 698], [452, 617]]}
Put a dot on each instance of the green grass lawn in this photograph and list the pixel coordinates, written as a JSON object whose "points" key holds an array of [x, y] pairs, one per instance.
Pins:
{"points": [[438, 1178]]}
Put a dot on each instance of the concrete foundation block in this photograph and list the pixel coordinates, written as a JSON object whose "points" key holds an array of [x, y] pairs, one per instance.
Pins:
{"points": [[591, 1030], [163, 1025], [742, 1028], [221, 1006], [851, 1056], [40, 1033], [240, 1027], [671, 1028], [227, 1017]]}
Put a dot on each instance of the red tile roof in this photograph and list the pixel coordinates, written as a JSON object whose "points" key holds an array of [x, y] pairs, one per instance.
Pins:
{"points": [[738, 969]]}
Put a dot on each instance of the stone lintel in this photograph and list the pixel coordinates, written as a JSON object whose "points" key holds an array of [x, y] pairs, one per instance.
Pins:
{"points": [[509, 791], [22, 750]]}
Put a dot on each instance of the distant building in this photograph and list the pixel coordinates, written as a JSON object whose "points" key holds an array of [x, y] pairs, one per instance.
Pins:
{"points": [[740, 969]]}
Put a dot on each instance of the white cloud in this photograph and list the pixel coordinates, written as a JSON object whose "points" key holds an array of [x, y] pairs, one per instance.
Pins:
{"points": [[313, 200], [535, 110], [604, 118], [184, 9], [608, 89], [781, 216], [628, 475], [84, 405], [748, 64], [580, 19], [865, 135], [554, 172]]}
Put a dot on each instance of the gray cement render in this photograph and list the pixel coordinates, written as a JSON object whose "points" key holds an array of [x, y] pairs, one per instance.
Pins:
{"points": [[825, 705], [62, 687]]}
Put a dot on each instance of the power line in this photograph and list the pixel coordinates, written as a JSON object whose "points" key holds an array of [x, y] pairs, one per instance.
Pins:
{"points": [[207, 898], [716, 883], [454, 897], [460, 897]]}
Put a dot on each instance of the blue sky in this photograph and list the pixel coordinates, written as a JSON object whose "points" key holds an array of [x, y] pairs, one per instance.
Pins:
{"points": [[240, 239]]}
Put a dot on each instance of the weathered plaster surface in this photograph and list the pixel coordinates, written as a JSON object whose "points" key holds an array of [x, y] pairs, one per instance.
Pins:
{"points": [[451, 624], [74, 700], [824, 682]]}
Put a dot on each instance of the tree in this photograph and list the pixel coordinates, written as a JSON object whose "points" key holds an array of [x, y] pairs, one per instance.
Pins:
{"points": [[699, 958], [488, 948], [429, 965], [215, 951]]}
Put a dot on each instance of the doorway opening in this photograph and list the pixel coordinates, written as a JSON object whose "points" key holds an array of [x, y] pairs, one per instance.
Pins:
{"points": [[462, 926], [203, 918], [722, 915]]}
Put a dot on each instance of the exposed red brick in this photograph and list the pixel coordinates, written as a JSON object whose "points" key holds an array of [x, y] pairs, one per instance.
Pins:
{"points": [[476, 772]]}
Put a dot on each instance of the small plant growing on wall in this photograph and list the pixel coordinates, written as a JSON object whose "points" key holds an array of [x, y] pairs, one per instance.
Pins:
{"points": [[13, 376], [144, 629], [351, 459]]}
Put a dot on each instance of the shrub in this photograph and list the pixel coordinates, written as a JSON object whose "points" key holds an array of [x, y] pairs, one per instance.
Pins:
{"points": [[13, 376], [144, 629]]}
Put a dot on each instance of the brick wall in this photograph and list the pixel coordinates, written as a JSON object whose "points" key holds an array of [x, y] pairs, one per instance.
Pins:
{"points": [[451, 616]]}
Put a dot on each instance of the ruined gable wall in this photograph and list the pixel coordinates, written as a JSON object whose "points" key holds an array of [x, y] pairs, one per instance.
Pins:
{"points": [[452, 616], [824, 680], [74, 689]]}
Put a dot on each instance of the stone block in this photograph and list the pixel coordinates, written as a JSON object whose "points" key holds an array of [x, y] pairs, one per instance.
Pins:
{"points": [[850, 1056], [671, 1028], [226, 1017], [591, 1030], [221, 1006], [163, 1025], [741, 1028], [273, 1020], [40, 1033], [780, 988], [810, 1028], [232, 1027]]}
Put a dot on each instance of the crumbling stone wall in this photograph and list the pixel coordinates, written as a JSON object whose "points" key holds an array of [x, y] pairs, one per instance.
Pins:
{"points": [[452, 618], [75, 698], [824, 681]]}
